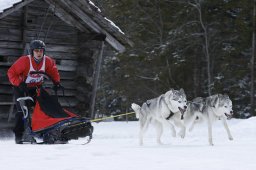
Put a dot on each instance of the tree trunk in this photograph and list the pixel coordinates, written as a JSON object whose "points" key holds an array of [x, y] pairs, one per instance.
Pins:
{"points": [[206, 45], [252, 60]]}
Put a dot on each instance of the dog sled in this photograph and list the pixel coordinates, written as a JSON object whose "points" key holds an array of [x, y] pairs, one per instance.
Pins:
{"points": [[49, 123]]}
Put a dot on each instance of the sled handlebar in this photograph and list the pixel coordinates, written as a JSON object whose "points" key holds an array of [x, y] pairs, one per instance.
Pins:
{"points": [[42, 73], [23, 106], [49, 78]]}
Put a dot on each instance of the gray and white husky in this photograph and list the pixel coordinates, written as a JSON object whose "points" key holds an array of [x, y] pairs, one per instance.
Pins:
{"points": [[215, 107], [167, 108]]}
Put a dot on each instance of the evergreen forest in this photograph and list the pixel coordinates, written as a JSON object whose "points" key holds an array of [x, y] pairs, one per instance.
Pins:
{"points": [[203, 46]]}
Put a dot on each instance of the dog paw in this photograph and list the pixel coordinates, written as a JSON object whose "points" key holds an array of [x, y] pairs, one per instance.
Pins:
{"points": [[141, 142], [182, 134], [159, 142], [210, 142]]}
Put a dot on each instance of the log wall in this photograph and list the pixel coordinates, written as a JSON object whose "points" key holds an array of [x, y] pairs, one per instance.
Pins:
{"points": [[75, 59]]}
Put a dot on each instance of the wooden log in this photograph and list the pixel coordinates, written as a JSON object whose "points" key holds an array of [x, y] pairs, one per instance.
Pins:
{"points": [[69, 62], [14, 8], [3, 116], [4, 69], [52, 33], [6, 98], [5, 64], [14, 14], [9, 37], [9, 24], [67, 92], [6, 103], [11, 44], [4, 110], [12, 31], [64, 15], [57, 25], [67, 84], [61, 40], [67, 75], [58, 48], [93, 25], [5, 89], [68, 101], [6, 126], [4, 81], [38, 5], [10, 52], [9, 59], [66, 68], [61, 55], [60, 30]]}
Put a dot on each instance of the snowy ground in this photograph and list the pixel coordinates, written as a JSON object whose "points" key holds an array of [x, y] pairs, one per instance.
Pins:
{"points": [[115, 147]]}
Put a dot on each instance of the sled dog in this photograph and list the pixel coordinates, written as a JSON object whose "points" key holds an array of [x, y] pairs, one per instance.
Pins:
{"points": [[215, 107], [167, 108]]}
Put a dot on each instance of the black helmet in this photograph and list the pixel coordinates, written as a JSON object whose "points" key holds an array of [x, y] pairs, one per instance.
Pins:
{"points": [[36, 44]]}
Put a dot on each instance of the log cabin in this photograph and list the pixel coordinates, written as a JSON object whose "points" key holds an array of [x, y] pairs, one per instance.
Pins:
{"points": [[77, 35]]}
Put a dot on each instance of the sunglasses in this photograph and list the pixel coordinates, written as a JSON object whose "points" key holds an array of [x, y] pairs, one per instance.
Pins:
{"points": [[38, 50]]}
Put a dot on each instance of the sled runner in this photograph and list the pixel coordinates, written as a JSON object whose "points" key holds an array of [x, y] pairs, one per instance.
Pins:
{"points": [[49, 123]]}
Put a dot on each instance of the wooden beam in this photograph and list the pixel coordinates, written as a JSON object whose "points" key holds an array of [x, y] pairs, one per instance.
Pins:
{"points": [[63, 15], [96, 80], [15, 8], [103, 21], [24, 28], [92, 24]]}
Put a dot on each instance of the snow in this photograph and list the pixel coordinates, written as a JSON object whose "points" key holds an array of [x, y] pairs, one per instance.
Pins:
{"points": [[114, 25], [98, 9], [115, 147], [4, 4]]}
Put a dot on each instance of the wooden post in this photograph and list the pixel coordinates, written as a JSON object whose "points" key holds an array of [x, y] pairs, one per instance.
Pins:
{"points": [[96, 80], [24, 27]]}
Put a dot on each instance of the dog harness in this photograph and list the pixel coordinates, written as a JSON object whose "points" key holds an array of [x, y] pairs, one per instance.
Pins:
{"points": [[35, 78], [170, 115]]}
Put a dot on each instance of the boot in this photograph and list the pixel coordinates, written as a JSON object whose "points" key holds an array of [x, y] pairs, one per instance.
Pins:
{"points": [[18, 140]]}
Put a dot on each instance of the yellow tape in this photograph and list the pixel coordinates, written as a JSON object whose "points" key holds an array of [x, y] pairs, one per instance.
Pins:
{"points": [[104, 118]]}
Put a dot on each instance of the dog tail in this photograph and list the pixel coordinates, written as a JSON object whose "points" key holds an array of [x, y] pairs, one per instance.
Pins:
{"points": [[136, 109]]}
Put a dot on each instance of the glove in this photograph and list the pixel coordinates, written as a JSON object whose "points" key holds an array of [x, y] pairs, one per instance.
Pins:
{"points": [[23, 87], [57, 86]]}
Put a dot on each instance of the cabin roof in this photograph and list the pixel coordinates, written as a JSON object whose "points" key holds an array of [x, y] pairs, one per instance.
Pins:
{"points": [[82, 14]]}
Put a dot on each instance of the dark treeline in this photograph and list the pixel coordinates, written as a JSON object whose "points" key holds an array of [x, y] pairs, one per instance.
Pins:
{"points": [[202, 46]]}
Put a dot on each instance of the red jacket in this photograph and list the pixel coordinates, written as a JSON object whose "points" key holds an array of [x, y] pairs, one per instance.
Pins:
{"points": [[18, 72]]}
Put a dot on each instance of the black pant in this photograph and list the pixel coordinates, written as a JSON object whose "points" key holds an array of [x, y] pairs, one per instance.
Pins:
{"points": [[19, 122]]}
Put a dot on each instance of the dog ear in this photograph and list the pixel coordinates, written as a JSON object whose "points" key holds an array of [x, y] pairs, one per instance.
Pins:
{"points": [[226, 96], [215, 101], [182, 91], [171, 89], [168, 94], [212, 100]]}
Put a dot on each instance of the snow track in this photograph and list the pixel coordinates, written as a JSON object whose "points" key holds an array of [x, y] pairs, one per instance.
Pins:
{"points": [[115, 147]]}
